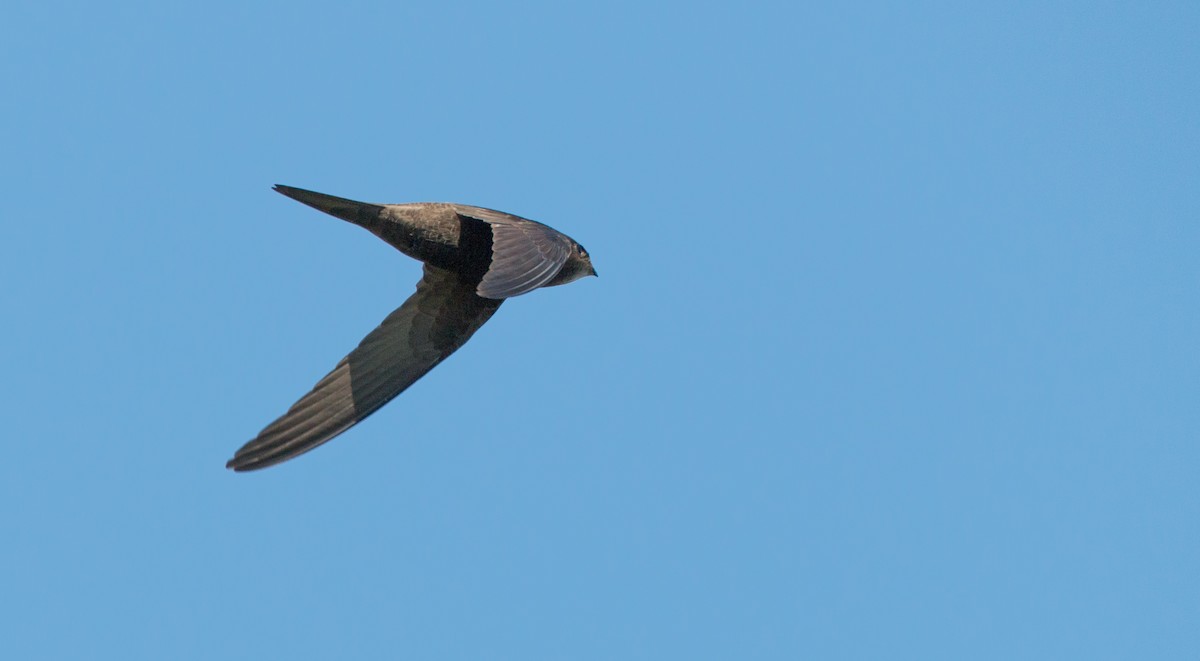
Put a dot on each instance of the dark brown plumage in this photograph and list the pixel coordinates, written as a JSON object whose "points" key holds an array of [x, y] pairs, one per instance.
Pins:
{"points": [[474, 259]]}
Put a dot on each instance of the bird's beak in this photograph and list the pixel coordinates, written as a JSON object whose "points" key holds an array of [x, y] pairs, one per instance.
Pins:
{"points": [[593, 270]]}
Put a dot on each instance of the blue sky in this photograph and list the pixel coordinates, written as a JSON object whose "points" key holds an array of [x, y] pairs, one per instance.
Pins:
{"points": [[893, 353]]}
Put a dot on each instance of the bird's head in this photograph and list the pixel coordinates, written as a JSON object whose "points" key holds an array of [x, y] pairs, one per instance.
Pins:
{"points": [[578, 265], [582, 255]]}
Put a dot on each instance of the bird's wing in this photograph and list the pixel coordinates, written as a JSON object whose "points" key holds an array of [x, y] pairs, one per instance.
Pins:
{"points": [[525, 254], [428, 327]]}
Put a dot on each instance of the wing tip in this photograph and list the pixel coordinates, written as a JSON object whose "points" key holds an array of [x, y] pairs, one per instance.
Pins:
{"points": [[364, 214], [290, 191], [240, 465], [251, 458]]}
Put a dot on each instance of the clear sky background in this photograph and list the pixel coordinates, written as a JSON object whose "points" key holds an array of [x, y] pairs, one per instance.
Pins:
{"points": [[893, 352]]}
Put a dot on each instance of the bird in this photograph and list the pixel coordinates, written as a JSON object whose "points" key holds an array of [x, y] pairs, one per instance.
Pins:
{"points": [[474, 259]]}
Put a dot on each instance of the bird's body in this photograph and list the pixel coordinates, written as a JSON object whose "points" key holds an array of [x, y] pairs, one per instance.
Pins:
{"points": [[474, 259]]}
